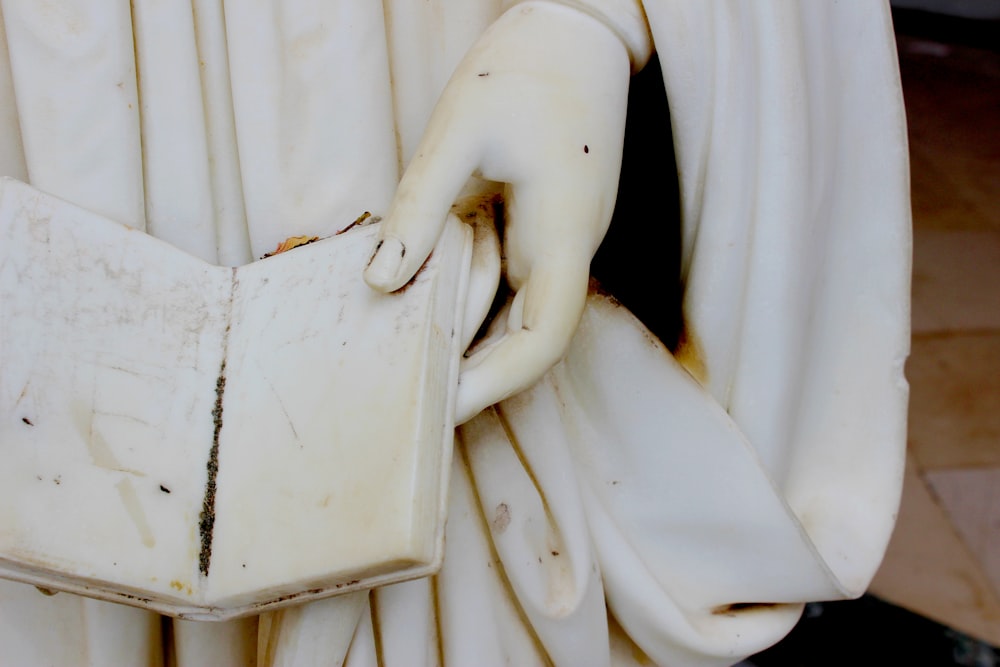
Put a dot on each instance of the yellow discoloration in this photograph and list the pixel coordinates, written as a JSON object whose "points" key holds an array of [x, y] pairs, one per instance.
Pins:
{"points": [[181, 586], [292, 242], [690, 355]]}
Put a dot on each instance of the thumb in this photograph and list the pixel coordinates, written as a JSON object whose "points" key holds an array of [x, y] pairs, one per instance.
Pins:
{"points": [[444, 161]]}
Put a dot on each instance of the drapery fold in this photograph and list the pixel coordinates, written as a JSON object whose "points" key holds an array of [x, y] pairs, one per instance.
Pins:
{"points": [[698, 500]]}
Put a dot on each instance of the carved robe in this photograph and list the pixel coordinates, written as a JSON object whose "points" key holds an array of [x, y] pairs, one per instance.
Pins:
{"points": [[631, 506]]}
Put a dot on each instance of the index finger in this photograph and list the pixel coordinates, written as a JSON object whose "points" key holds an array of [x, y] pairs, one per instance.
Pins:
{"points": [[432, 182]]}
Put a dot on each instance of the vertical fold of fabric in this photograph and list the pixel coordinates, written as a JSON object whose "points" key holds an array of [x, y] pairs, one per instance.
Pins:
{"points": [[317, 633], [73, 68], [11, 150], [177, 184], [426, 42], [406, 623], [805, 341], [37, 628], [198, 643], [479, 619], [313, 109], [525, 482], [232, 236]]}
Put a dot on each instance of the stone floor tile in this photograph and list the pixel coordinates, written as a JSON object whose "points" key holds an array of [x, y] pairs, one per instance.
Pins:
{"points": [[954, 419], [956, 275], [971, 498], [928, 569], [952, 93]]}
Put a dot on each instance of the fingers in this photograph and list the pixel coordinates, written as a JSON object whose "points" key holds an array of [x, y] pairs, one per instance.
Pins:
{"points": [[484, 277], [445, 159], [551, 233], [541, 323]]}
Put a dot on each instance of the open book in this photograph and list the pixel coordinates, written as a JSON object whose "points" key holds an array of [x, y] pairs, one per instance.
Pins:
{"points": [[210, 442]]}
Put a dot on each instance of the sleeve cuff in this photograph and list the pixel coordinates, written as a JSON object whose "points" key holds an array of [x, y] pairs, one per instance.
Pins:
{"points": [[625, 18]]}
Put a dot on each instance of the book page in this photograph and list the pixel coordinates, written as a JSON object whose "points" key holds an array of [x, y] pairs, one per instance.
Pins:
{"points": [[110, 343], [334, 436]]}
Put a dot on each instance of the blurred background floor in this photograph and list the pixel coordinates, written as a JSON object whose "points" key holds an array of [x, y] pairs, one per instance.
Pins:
{"points": [[936, 598]]}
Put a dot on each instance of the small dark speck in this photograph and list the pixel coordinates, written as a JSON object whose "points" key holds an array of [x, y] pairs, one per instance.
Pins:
{"points": [[27, 421], [615, 482], [38, 477], [164, 489], [483, 74], [586, 148], [57, 479], [555, 553], [539, 559], [244, 565], [374, 252]]}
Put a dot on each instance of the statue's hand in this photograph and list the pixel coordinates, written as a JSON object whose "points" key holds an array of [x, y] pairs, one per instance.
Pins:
{"points": [[539, 104]]}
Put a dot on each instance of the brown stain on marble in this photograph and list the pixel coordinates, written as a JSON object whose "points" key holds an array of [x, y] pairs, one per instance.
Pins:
{"points": [[690, 354], [739, 608]]}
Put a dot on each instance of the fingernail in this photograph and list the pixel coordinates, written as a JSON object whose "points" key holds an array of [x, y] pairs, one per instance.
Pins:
{"points": [[387, 260]]}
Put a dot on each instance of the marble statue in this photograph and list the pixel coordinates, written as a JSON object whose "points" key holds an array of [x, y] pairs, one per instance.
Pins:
{"points": [[611, 502]]}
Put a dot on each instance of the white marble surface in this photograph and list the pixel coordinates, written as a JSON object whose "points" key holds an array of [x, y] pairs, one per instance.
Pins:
{"points": [[788, 127], [199, 439]]}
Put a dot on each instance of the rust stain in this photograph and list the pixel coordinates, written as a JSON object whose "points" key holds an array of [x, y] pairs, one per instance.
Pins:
{"points": [[293, 596], [595, 287], [488, 206], [181, 586], [690, 353], [742, 608], [414, 278], [291, 243], [360, 221], [639, 657]]}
